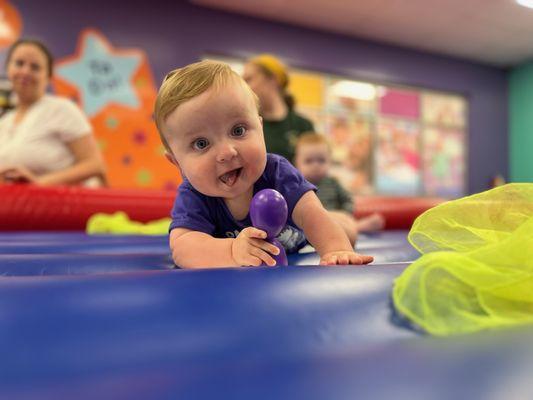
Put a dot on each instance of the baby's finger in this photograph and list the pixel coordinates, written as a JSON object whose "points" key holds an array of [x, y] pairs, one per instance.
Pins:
{"points": [[15, 176], [329, 260], [343, 259], [366, 259], [333, 260], [252, 232], [252, 261], [264, 245], [358, 259], [12, 173], [263, 256]]}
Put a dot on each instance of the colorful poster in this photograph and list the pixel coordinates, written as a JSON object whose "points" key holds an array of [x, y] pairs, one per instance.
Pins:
{"points": [[353, 98], [444, 167], [397, 157], [307, 89], [351, 107], [399, 103], [116, 90], [444, 110], [351, 141]]}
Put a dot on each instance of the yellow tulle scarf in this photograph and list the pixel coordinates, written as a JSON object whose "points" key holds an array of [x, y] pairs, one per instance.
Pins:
{"points": [[476, 271]]}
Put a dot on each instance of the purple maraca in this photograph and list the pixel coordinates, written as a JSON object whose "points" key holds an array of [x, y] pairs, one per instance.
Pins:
{"points": [[268, 212]]}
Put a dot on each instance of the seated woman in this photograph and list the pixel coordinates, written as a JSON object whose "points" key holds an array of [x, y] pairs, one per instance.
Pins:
{"points": [[45, 139]]}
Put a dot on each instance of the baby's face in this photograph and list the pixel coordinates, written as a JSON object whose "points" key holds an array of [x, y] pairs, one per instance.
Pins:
{"points": [[313, 161], [217, 141]]}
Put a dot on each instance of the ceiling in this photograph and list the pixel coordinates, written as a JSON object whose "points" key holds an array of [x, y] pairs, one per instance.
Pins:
{"points": [[495, 32]]}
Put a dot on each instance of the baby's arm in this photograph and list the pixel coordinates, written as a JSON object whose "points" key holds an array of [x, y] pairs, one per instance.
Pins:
{"points": [[193, 249], [327, 237]]}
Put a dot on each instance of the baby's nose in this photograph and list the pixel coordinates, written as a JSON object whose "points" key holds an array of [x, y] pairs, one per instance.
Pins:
{"points": [[226, 152]]}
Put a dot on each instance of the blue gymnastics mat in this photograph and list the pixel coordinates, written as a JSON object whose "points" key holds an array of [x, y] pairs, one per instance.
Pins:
{"points": [[109, 317]]}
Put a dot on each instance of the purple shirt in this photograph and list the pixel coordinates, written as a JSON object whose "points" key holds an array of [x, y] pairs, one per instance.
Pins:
{"points": [[198, 212]]}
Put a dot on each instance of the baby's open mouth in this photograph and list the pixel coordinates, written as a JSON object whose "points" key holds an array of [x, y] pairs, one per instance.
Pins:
{"points": [[230, 177]]}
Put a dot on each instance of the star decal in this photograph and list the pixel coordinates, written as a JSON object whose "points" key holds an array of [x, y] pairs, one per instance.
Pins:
{"points": [[102, 74]]}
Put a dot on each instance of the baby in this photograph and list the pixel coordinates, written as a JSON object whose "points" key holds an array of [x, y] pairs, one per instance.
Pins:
{"points": [[209, 123], [313, 160]]}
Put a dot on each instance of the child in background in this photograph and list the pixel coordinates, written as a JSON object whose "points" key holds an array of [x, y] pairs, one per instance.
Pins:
{"points": [[313, 159], [209, 123]]}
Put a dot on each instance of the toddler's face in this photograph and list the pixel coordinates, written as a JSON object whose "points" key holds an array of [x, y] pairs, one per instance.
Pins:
{"points": [[313, 161], [217, 141]]}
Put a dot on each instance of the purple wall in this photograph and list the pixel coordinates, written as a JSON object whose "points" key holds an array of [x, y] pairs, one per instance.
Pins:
{"points": [[178, 33]]}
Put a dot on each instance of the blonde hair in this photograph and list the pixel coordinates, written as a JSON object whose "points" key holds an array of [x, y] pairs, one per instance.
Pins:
{"points": [[183, 84], [312, 138], [272, 66]]}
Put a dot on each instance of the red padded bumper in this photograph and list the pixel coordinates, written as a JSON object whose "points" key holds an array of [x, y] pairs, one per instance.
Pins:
{"points": [[26, 207]]}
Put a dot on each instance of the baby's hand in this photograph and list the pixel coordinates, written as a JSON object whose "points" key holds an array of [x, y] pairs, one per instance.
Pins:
{"points": [[345, 257], [251, 248]]}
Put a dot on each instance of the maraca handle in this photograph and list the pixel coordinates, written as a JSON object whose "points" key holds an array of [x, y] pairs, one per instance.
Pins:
{"points": [[281, 258]]}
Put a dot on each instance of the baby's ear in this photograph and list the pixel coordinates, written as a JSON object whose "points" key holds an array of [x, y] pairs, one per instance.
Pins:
{"points": [[170, 157]]}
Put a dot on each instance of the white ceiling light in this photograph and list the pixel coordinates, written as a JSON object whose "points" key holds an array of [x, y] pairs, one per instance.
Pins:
{"points": [[354, 90], [525, 3]]}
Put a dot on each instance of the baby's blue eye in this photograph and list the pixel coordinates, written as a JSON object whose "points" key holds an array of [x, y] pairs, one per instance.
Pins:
{"points": [[239, 131], [200, 144]]}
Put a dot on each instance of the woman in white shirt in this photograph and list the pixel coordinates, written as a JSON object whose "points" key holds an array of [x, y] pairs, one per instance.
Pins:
{"points": [[45, 139]]}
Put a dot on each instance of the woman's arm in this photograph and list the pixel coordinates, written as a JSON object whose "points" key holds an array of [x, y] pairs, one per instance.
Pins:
{"points": [[88, 163]]}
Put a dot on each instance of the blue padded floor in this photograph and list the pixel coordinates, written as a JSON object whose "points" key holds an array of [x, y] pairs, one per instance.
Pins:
{"points": [[74, 253], [118, 322]]}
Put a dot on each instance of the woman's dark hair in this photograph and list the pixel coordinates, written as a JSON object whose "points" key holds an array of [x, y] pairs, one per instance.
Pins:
{"points": [[287, 97], [40, 45], [289, 100]]}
